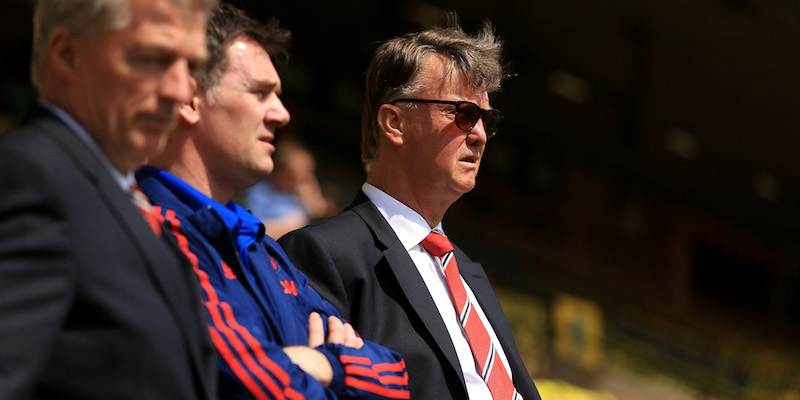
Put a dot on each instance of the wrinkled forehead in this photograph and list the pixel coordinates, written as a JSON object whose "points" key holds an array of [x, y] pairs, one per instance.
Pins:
{"points": [[442, 76], [159, 26], [165, 11]]}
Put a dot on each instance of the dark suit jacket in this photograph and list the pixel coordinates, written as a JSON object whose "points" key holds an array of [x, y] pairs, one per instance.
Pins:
{"points": [[356, 262], [92, 304]]}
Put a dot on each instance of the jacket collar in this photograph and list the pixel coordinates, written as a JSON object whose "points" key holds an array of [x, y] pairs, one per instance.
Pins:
{"points": [[245, 229], [124, 180]]}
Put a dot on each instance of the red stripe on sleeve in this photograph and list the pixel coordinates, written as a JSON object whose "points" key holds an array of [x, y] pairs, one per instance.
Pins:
{"points": [[376, 389], [256, 346], [361, 370], [220, 325], [237, 368], [382, 367], [345, 359], [370, 373], [391, 367], [362, 366]]}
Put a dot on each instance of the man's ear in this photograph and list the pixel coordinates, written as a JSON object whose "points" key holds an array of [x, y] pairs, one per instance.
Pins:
{"points": [[190, 112], [62, 50], [391, 123]]}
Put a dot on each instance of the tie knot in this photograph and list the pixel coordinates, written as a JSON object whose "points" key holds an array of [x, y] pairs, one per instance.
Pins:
{"points": [[437, 244]]}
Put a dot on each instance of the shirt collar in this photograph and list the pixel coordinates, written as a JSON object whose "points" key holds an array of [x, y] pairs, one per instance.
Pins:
{"points": [[407, 224], [125, 181]]}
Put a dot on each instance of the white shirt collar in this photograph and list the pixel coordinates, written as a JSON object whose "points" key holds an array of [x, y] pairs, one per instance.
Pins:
{"points": [[123, 180], [407, 224]]}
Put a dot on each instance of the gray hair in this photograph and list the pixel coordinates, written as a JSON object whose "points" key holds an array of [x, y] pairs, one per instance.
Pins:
{"points": [[394, 71], [83, 19]]}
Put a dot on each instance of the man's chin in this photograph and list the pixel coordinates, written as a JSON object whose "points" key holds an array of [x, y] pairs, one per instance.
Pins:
{"points": [[266, 169], [149, 145], [259, 174], [463, 187], [467, 183]]}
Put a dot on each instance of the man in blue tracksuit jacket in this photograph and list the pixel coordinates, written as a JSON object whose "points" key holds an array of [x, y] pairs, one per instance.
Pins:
{"points": [[276, 338], [257, 303]]}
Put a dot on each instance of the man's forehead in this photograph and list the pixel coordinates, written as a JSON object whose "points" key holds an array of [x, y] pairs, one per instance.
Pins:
{"points": [[440, 77], [248, 60], [243, 52], [161, 28], [179, 8], [165, 14]]}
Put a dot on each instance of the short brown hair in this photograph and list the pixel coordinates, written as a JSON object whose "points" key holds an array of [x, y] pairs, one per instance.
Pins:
{"points": [[225, 24], [394, 70]]}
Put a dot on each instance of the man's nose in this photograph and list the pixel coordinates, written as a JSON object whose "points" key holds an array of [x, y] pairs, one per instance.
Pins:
{"points": [[176, 84], [277, 114], [477, 135]]}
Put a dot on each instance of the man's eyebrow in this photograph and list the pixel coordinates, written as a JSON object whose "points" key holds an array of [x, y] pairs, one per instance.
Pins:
{"points": [[150, 50], [266, 84], [160, 50], [156, 47]]}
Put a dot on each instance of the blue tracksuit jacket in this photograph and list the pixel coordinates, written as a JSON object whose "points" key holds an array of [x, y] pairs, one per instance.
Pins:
{"points": [[257, 303]]}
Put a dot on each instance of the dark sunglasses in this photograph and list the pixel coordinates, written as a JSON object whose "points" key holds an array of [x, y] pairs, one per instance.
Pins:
{"points": [[467, 114]]}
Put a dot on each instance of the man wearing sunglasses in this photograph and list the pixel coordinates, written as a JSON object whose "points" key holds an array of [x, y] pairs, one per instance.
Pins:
{"points": [[385, 261]]}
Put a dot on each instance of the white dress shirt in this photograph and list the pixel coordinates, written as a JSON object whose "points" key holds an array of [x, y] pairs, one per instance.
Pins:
{"points": [[411, 229]]}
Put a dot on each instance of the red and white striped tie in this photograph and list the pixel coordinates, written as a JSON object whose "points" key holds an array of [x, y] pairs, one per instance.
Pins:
{"points": [[487, 358], [142, 203]]}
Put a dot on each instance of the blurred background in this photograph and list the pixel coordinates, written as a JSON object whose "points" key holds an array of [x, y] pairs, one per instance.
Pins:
{"points": [[639, 210]]}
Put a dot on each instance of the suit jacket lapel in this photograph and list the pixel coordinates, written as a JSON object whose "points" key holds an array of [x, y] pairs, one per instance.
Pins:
{"points": [[170, 282], [477, 280], [408, 277], [474, 275]]}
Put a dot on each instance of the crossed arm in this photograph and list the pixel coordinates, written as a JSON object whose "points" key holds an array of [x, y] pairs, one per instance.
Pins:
{"points": [[312, 361], [254, 365]]}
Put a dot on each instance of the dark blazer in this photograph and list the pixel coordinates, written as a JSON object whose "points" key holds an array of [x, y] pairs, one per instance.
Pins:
{"points": [[92, 304], [356, 261]]}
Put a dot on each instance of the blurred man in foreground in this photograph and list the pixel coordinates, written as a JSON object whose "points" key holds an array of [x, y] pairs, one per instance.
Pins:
{"points": [[95, 303]]}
